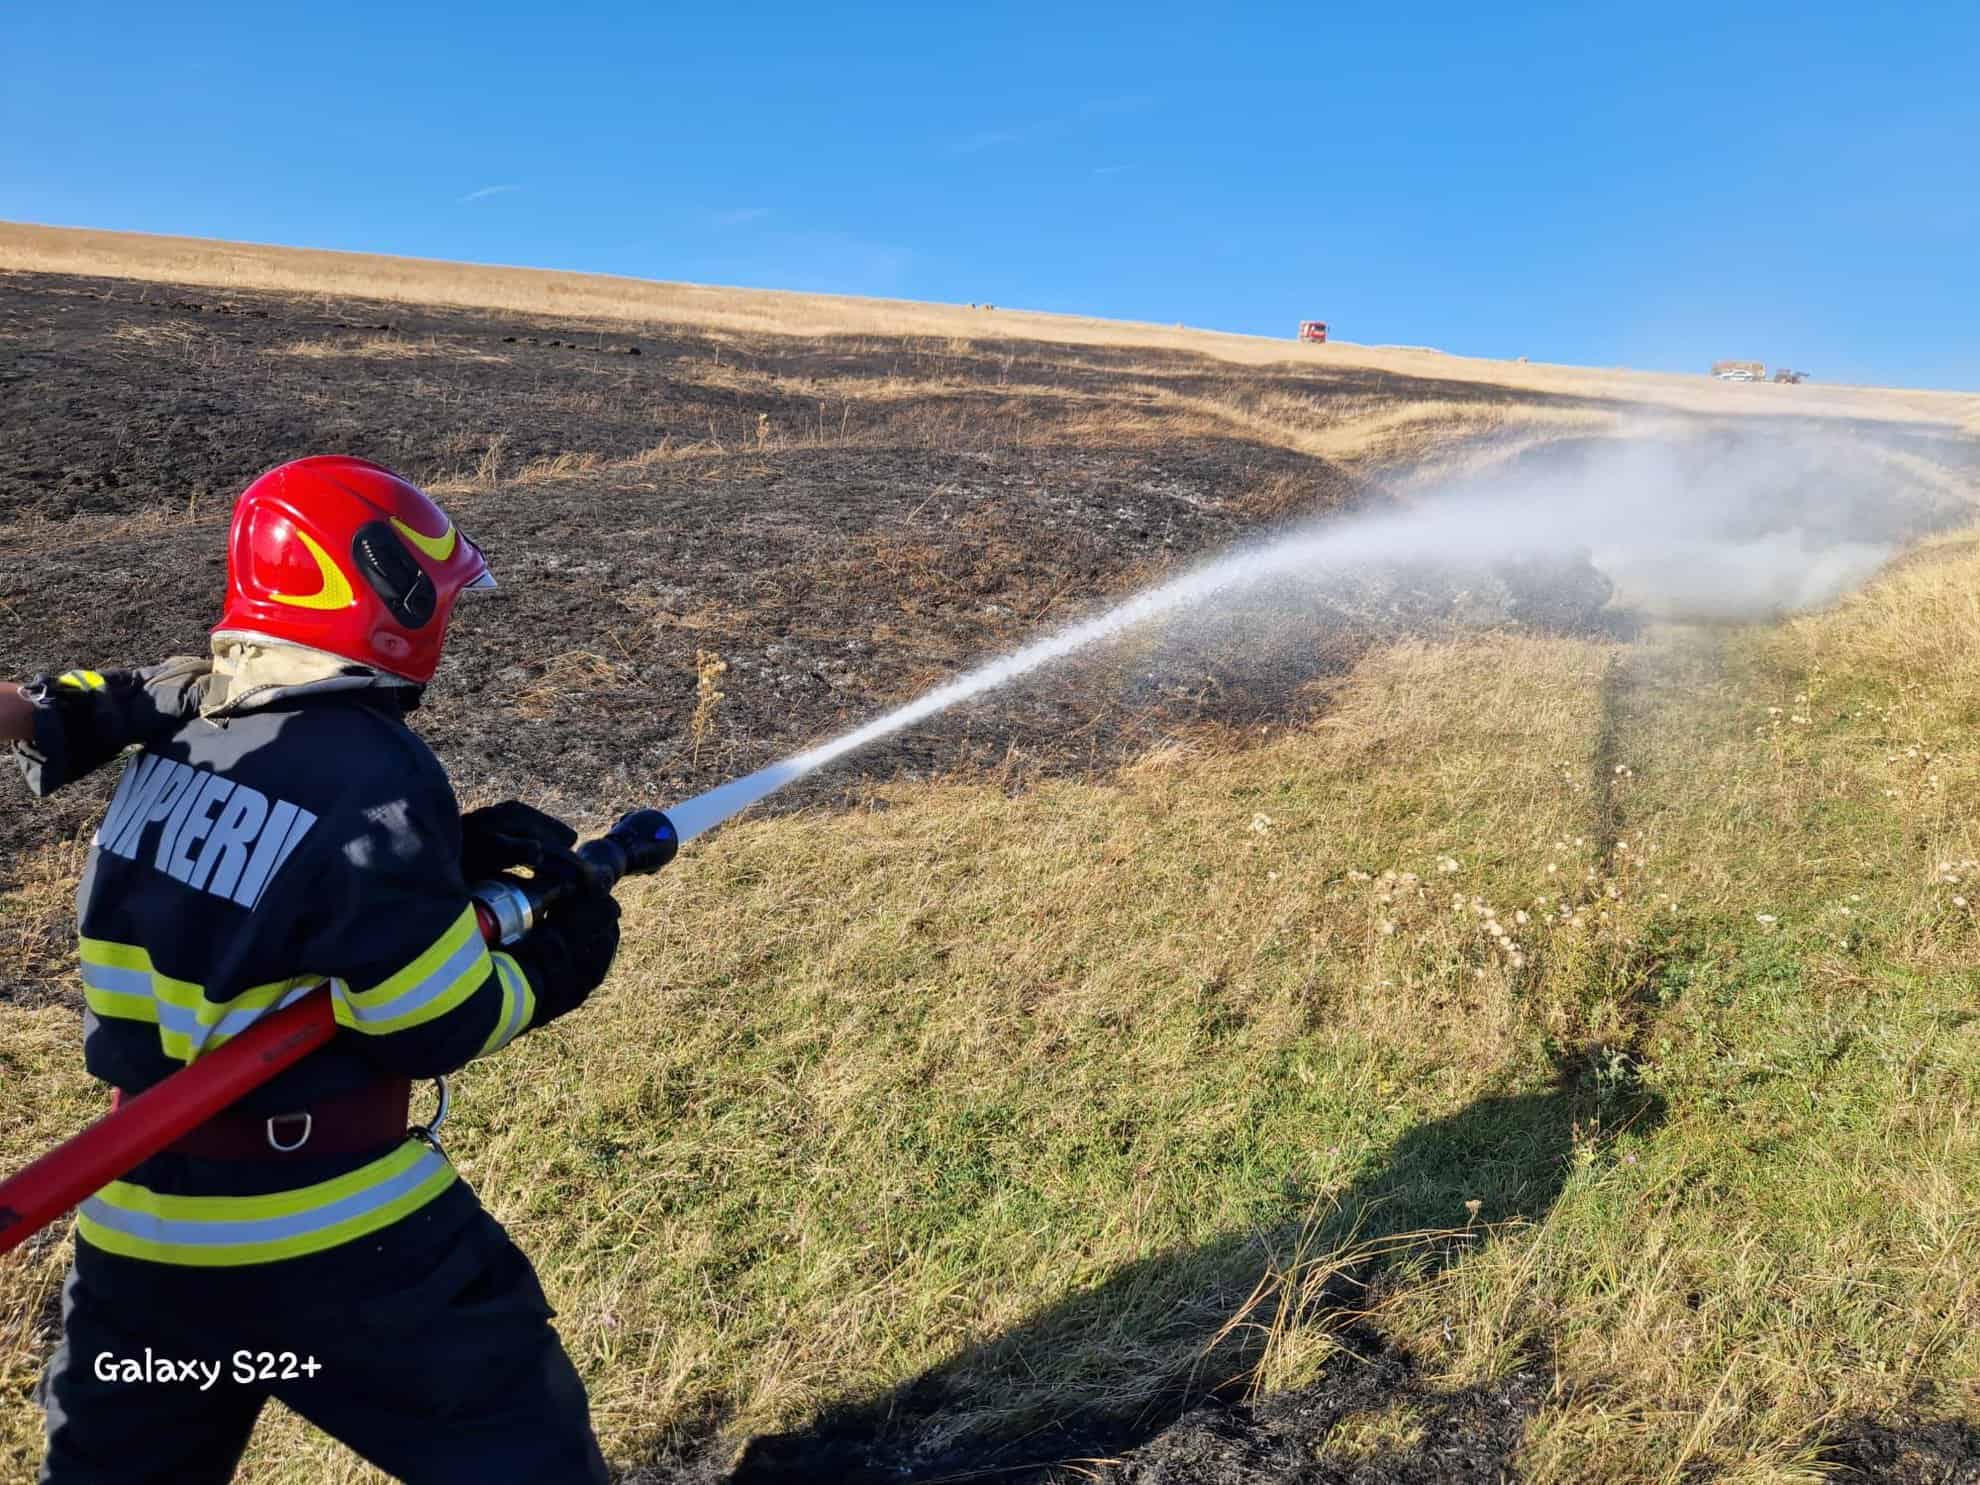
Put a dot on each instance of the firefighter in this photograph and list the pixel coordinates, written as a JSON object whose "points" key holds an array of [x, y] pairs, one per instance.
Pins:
{"points": [[280, 826]]}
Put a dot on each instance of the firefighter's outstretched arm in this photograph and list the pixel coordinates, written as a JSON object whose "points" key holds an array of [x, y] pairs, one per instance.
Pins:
{"points": [[66, 726], [412, 978]]}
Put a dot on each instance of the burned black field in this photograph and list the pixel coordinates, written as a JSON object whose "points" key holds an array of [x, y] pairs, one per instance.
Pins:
{"points": [[841, 524], [634, 515]]}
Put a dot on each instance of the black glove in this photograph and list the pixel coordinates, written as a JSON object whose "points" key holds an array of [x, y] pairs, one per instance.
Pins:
{"points": [[568, 954], [85, 718], [511, 834]]}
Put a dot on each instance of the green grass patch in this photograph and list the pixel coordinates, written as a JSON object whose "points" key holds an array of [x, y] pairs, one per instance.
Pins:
{"points": [[1596, 1005]]}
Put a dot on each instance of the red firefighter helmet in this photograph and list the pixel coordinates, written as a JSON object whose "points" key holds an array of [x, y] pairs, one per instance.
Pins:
{"points": [[342, 555]]}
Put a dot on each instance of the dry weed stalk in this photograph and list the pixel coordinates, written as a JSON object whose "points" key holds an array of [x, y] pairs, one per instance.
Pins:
{"points": [[562, 466], [709, 669], [562, 674], [1288, 1322], [485, 475], [489, 469]]}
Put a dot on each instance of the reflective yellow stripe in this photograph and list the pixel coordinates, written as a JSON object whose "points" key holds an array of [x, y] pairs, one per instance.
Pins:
{"points": [[120, 982], [226, 1231], [81, 680], [435, 983], [296, 1202], [439, 548], [518, 1005], [121, 1005], [335, 591]]}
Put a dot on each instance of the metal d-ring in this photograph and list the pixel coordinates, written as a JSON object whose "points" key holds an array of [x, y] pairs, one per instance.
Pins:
{"points": [[430, 1131], [309, 1123]]}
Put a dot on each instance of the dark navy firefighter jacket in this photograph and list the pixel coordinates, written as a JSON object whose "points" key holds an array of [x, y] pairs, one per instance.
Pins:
{"points": [[311, 838]]}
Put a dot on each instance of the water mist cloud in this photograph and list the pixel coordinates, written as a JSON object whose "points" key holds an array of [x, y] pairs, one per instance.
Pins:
{"points": [[1715, 523]]}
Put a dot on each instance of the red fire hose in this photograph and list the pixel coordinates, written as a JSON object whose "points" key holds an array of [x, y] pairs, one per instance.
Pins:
{"points": [[140, 1127]]}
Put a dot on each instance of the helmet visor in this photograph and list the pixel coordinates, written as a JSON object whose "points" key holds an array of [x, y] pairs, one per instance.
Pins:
{"points": [[483, 581]]}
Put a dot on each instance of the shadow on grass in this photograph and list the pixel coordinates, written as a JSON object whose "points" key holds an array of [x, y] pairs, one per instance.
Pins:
{"points": [[1112, 1369]]}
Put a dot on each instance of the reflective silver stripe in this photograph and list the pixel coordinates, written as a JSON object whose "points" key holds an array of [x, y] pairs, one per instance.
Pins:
{"points": [[118, 981], [434, 985], [182, 1232]]}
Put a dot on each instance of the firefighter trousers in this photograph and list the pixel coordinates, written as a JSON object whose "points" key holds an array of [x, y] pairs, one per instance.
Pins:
{"points": [[454, 1376]]}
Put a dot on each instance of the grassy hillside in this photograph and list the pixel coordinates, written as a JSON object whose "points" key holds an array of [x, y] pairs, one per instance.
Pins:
{"points": [[1554, 1054], [1602, 1012], [750, 313]]}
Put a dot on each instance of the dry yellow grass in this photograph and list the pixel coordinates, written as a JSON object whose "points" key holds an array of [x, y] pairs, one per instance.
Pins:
{"points": [[835, 1121], [1915, 626], [44, 249], [1408, 443], [374, 348]]}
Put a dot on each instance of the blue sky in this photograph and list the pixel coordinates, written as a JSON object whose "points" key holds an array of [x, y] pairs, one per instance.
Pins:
{"points": [[1653, 186]]}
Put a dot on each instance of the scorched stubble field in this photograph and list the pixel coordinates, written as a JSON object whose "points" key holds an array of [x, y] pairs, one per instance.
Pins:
{"points": [[1412, 1043]]}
